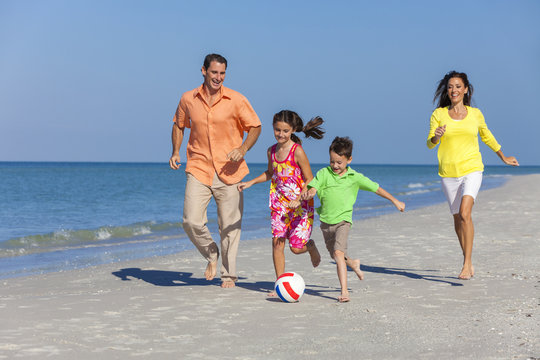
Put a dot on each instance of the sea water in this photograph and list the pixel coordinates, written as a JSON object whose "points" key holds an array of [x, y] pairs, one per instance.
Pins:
{"points": [[61, 216]]}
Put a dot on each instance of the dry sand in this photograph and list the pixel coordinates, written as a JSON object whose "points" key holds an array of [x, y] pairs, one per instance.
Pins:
{"points": [[410, 306]]}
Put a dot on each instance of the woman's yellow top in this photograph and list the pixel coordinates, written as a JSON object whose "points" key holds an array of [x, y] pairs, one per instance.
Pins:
{"points": [[459, 153]]}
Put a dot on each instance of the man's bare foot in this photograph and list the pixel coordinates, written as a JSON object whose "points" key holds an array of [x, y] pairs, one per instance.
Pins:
{"points": [[356, 269], [344, 297], [313, 253], [227, 284], [211, 270]]}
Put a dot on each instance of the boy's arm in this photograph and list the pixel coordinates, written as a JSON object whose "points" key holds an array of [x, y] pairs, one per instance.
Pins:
{"points": [[385, 194], [308, 195]]}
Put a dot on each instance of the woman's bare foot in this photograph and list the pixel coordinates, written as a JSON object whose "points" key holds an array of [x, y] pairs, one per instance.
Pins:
{"points": [[356, 269], [313, 253], [466, 273], [211, 270]]}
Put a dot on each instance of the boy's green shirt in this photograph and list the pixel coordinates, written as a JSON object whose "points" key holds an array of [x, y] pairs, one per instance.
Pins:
{"points": [[338, 193]]}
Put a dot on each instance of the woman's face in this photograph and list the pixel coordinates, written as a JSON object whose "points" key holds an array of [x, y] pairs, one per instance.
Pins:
{"points": [[456, 90]]}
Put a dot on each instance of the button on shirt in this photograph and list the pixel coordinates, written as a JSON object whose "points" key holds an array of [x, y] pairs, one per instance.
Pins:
{"points": [[215, 131]]}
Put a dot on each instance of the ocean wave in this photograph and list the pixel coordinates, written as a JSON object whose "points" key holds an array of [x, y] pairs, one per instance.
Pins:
{"points": [[65, 238]]}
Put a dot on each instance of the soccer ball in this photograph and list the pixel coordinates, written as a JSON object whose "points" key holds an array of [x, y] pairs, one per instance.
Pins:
{"points": [[290, 287]]}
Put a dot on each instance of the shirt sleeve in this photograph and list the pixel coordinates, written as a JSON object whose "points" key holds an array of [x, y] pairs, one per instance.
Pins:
{"points": [[364, 183], [181, 117], [433, 124], [247, 116], [486, 135], [316, 181]]}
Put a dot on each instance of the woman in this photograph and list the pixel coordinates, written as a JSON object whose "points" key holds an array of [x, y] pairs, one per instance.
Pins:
{"points": [[456, 125]]}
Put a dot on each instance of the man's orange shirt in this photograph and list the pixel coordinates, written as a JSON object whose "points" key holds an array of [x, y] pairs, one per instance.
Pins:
{"points": [[215, 132]]}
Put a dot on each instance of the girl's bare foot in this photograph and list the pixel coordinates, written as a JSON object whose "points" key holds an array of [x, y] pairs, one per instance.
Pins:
{"points": [[313, 253], [344, 297]]}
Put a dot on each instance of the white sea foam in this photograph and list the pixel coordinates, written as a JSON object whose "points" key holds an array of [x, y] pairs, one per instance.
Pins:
{"points": [[103, 234]]}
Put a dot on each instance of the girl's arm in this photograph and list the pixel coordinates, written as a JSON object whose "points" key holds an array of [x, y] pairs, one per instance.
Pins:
{"points": [[301, 159], [265, 176], [385, 194]]}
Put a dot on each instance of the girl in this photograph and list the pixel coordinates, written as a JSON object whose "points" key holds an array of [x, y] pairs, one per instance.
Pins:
{"points": [[456, 125], [289, 169]]}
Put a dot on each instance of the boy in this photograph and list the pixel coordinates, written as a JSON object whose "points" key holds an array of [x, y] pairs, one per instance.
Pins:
{"points": [[337, 187]]}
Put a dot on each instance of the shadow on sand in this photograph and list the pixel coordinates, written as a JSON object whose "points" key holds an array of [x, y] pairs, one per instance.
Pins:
{"points": [[410, 273], [179, 278]]}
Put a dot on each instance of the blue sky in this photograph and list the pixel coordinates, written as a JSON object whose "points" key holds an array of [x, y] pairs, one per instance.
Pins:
{"points": [[100, 80]]}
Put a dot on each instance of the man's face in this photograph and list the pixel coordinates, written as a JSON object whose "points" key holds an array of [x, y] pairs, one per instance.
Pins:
{"points": [[214, 76]]}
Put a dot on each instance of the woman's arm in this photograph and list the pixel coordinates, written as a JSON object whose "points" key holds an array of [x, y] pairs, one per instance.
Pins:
{"points": [[508, 160]]}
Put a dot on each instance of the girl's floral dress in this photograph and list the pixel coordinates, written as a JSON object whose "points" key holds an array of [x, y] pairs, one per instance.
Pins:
{"points": [[287, 183]]}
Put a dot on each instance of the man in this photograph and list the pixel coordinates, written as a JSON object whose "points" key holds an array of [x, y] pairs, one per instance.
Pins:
{"points": [[218, 118]]}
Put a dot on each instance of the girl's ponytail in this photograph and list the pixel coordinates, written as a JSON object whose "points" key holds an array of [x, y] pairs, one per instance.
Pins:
{"points": [[312, 129]]}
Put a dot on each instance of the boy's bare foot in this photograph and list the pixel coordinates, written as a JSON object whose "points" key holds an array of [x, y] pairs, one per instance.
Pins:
{"points": [[313, 253], [211, 270], [344, 297], [227, 284], [356, 269]]}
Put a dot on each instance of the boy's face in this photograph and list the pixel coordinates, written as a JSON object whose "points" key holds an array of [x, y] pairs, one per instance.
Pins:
{"points": [[339, 163]]}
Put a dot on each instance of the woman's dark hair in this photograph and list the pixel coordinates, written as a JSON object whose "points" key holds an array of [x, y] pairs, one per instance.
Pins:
{"points": [[312, 129], [214, 57], [441, 94], [342, 146]]}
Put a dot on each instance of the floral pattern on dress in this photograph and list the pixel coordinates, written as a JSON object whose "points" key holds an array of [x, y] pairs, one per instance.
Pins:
{"points": [[286, 186]]}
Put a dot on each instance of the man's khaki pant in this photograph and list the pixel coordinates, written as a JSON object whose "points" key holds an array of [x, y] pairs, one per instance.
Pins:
{"points": [[230, 204]]}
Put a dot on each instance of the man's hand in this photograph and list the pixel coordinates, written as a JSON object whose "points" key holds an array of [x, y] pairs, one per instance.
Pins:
{"points": [[237, 154], [174, 162]]}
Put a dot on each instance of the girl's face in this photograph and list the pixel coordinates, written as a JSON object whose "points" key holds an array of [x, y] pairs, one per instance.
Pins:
{"points": [[282, 132], [456, 90]]}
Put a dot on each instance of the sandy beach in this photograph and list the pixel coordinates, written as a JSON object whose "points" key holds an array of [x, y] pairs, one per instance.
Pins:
{"points": [[410, 305]]}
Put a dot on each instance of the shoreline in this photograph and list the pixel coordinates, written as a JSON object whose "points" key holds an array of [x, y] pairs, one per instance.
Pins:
{"points": [[410, 305], [64, 258]]}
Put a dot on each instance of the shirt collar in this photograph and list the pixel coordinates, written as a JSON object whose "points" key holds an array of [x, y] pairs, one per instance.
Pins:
{"points": [[224, 92], [349, 172]]}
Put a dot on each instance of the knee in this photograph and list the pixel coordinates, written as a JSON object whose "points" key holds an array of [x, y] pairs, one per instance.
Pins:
{"points": [[296, 250], [191, 225], [278, 244], [338, 254], [465, 217]]}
